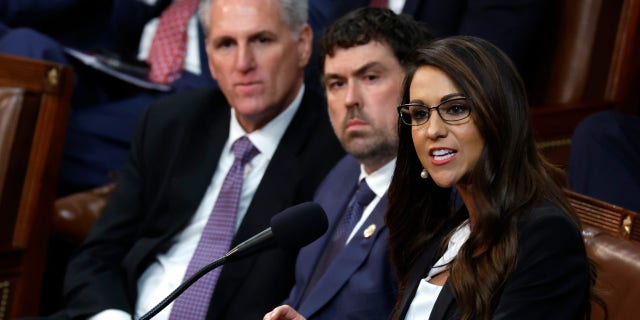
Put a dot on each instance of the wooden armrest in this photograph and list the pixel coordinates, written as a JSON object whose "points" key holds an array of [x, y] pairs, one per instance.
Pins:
{"points": [[75, 214]]}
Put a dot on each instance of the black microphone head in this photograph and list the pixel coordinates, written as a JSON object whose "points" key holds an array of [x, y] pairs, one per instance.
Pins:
{"points": [[299, 225]]}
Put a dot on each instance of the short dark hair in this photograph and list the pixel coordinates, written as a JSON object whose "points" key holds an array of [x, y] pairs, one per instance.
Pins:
{"points": [[361, 26]]}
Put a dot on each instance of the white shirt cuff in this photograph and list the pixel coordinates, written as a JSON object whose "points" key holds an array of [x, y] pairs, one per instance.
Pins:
{"points": [[111, 314]]}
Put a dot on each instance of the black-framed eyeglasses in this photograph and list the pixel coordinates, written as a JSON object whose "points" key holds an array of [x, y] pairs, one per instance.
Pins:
{"points": [[450, 111]]}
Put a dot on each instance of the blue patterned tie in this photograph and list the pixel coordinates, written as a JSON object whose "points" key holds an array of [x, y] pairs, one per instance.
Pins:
{"points": [[363, 196], [216, 237], [349, 219]]}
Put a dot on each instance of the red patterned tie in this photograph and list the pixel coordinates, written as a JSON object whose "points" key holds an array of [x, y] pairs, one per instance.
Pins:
{"points": [[378, 3], [168, 48]]}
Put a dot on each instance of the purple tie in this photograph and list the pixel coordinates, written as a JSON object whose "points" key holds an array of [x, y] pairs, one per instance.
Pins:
{"points": [[216, 237]]}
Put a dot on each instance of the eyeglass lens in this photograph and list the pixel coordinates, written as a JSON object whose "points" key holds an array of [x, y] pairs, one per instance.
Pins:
{"points": [[450, 110]]}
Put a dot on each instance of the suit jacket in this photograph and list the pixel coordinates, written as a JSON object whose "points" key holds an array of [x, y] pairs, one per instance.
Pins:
{"points": [[550, 279], [607, 139], [73, 22], [172, 160], [41, 30], [113, 25], [360, 283], [82, 24]]}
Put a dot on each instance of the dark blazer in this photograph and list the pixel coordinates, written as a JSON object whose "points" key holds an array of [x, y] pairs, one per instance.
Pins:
{"points": [[86, 25], [113, 25], [360, 283], [41, 30], [604, 158], [550, 280], [172, 160], [73, 22]]}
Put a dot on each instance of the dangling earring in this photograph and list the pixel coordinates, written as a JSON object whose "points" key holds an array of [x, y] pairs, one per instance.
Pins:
{"points": [[424, 174]]}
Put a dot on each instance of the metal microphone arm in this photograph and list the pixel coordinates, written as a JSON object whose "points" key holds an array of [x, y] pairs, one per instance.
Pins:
{"points": [[182, 287]]}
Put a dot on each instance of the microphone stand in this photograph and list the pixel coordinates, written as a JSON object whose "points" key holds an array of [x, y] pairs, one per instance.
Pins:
{"points": [[183, 286], [258, 241], [286, 222]]}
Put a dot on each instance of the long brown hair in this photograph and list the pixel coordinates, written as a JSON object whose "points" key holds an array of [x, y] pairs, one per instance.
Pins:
{"points": [[508, 179]]}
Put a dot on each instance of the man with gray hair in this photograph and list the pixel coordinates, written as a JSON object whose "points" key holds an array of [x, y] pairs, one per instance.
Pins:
{"points": [[207, 170]]}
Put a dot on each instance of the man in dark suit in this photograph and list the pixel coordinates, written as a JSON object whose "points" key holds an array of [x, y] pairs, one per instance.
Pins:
{"points": [[105, 110], [363, 55], [71, 22], [138, 250], [604, 158]]}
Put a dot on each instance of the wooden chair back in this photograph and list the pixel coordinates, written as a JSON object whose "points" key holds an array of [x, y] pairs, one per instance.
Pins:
{"points": [[613, 220], [34, 106]]}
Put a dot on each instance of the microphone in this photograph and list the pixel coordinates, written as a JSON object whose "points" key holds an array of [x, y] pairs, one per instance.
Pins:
{"points": [[291, 229]]}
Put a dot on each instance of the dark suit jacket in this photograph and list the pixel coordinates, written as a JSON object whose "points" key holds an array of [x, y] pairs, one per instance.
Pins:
{"points": [[360, 283], [83, 24], [73, 22], [550, 280], [113, 25], [41, 29], [604, 158], [173, 158]]}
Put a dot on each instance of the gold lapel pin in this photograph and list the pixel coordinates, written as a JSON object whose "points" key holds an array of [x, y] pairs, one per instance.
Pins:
{"points": [[368, 232]]}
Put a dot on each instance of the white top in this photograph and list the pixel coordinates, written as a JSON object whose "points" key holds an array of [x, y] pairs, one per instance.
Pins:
{"points": [[167, 272], [427, 293]]}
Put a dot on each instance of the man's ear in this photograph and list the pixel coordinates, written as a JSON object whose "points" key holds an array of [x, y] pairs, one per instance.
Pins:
{"points": [[305, 44]]}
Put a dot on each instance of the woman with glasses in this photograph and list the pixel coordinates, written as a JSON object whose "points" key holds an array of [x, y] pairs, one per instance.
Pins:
{"points": [[512, 248]]}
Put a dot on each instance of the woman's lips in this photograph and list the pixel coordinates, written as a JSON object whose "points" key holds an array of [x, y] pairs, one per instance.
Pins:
{"points": [[442, 156]]}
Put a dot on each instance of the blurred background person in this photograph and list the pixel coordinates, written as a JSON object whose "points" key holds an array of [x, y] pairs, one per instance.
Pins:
{"points": [[518, 27], [141, 34], [604, 158], [104, 109]]}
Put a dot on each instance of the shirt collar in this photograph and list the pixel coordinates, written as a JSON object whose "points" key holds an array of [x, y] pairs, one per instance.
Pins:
{"points": [[267, 138], [380, 179]]}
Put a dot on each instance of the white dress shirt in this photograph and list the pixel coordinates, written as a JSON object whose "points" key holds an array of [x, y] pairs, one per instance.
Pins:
{"points": [[396, 5], [167, 272]]}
